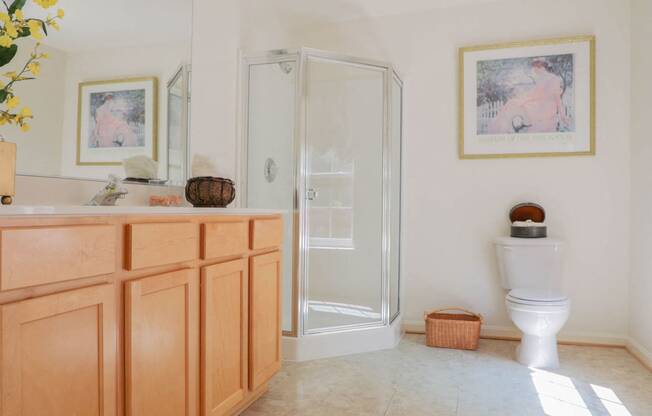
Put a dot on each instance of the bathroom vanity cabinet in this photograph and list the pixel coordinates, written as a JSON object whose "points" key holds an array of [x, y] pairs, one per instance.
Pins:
{"points": [[139, 314]]}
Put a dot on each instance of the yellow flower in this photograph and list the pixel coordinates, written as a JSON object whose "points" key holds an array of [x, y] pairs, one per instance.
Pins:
{"points": [[54, 24], [35, 29], [11, 30], [11, 75], [46, 3], [19, 15], [34, 68], [6, 41], [3, 120], [61, 13], [13, 102], [26, 112], [4, 18], [24, 127], [45, 55]]}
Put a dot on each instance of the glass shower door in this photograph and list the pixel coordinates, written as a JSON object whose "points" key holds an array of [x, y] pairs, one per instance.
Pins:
{"points": [[271, 156], [343, 239]]}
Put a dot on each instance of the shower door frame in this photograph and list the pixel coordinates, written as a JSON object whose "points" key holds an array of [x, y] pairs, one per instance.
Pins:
{"points": [[300, 216]]}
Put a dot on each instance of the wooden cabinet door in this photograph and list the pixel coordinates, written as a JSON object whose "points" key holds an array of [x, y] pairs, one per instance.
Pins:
{"points": [[58, 354], [264, 318], [162, 344], [224, 337]]}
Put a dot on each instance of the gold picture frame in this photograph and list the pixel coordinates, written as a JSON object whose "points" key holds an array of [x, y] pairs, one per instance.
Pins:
{"points": [[462, 123], [153, 94]]}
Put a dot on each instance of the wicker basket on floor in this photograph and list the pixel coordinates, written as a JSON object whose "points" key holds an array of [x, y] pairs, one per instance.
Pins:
{"points": [[452, 330]]}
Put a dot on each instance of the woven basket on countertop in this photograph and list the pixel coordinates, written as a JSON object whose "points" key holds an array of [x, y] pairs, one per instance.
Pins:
{"points": [[452, 330]]}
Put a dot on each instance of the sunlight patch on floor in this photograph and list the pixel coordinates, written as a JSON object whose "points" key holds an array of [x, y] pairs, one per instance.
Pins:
{"points": [[559, 396], [610, 401]]}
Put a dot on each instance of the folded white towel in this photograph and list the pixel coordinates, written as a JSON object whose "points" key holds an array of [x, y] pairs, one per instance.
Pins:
{"points": [[141, 167]]}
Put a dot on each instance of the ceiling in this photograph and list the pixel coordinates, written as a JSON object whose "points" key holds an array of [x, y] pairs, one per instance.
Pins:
{"points": [[101, 24], [330, 11]]}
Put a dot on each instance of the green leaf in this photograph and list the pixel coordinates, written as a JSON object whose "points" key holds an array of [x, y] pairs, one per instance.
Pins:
{"points": [[7, 54], [24, 32], [3, 96], [16, 5], [45, 27]]}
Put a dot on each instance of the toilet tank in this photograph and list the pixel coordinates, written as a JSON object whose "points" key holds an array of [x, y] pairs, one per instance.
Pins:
{"points": [[529, 263]]}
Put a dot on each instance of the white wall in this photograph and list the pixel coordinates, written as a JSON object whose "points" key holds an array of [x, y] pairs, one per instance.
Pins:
{"points": [[641, 280], [215, 45], [161, 61], [222, 30], [39, 150], [455, 207]]}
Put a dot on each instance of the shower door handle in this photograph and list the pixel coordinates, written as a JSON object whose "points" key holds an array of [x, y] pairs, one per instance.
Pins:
{"points": [[311, 194]]}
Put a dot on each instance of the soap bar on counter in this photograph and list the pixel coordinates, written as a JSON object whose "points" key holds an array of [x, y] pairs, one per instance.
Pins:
{"points": [[165, 201]]}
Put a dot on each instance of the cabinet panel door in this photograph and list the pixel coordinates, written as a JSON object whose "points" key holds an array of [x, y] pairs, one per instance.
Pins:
{"points": [[224, 337], [264, 318], [58, 354], [162, 344]]}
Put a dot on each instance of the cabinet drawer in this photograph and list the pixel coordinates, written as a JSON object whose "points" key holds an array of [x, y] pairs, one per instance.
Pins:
{"points": [[266, 233], [220, 239], [158, 244], [37, 256]]}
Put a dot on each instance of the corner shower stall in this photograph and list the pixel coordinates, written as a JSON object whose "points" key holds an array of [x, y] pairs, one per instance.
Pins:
{"points": [[322, 140]]}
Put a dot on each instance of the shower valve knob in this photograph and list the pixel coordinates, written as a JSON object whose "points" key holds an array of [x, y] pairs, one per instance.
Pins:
{"points": [[311, 194]]}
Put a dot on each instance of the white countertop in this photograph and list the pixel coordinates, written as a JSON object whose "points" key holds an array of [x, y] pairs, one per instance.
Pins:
{"points": [[39, 210]]}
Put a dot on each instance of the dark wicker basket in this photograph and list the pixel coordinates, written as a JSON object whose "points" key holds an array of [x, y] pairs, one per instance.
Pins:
{"points": [[208, 191]]}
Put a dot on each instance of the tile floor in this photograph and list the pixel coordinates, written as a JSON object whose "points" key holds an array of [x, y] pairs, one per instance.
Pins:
{"points": [[414, 380]]}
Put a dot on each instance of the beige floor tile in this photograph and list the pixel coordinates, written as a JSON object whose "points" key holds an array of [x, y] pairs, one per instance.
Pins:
{"points": [[414, 380]]}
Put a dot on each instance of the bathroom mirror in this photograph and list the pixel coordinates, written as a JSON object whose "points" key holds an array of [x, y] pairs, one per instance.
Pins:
{"points": [[115, 85]]}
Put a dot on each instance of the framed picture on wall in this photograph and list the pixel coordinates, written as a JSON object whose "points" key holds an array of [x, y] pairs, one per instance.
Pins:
{"points": [[524, 99], [116, 119]]}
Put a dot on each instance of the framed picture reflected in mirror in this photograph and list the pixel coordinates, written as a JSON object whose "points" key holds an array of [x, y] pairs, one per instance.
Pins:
{"points": [[117, 119]]}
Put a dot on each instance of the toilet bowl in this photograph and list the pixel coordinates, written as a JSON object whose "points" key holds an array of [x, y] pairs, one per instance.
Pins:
{"points": [[539, 315]]}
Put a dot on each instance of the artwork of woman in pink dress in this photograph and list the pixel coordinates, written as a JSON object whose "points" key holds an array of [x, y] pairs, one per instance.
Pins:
{"points": [[533, 102], [114, 122]]}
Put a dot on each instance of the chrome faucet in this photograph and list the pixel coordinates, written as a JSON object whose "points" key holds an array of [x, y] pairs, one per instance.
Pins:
{"points": [[109, 194]]}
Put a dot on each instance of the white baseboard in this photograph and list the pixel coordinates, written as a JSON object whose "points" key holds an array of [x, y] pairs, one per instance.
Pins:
{"points": [[640, 352], [510, 332]]}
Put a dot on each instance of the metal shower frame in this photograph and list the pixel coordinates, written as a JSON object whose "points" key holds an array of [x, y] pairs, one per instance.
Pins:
{"points": [[300, 214]]}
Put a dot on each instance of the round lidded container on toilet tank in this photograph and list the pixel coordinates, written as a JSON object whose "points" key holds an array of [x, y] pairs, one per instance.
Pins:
{"points": [[527, 221]]}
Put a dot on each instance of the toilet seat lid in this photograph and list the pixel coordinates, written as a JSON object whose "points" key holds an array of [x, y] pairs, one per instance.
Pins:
{"points": [[537, 297]]}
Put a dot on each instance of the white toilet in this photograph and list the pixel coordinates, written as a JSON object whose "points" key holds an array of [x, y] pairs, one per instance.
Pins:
{"points": [[530, 270]]}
